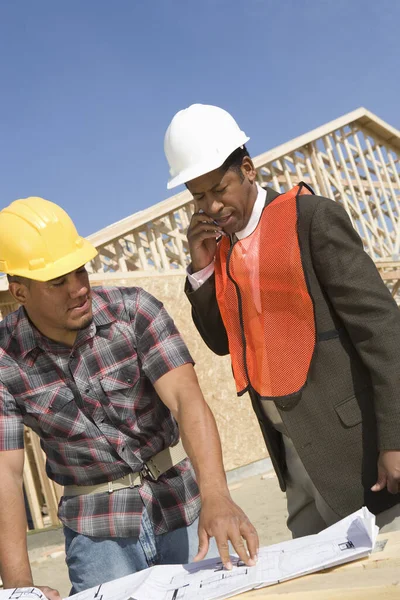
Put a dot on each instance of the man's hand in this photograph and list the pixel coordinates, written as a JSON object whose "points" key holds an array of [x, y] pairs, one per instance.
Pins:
{"points": [[49, 592], [201, 235], [388, 472], [221, 518]]}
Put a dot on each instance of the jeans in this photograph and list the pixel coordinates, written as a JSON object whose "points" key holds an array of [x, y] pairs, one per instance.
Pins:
{"points": [[95, 560]]}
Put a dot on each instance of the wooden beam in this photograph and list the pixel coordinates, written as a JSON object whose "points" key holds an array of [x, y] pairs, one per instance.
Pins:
{"points": [[47, 487]]}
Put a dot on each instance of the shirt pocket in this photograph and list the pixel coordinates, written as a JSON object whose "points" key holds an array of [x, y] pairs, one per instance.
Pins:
{"points": [[53, 413], [121, 388]]}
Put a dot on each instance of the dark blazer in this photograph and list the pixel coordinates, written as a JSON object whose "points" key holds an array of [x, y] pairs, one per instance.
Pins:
{"points": [[350, 406]]}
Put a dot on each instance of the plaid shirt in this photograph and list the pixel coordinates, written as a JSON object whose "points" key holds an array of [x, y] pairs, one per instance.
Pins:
{"points": [[97, 413]]}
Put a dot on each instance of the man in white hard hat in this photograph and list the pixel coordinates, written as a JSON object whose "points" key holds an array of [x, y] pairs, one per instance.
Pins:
{"points": [[281, 282], [105, 380]]}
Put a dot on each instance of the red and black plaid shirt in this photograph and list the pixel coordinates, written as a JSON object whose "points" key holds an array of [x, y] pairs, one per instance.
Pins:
{"points": [[96, 410]]}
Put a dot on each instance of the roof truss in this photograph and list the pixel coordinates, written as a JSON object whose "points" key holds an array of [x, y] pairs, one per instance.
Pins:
{"points": [[354, 160]]}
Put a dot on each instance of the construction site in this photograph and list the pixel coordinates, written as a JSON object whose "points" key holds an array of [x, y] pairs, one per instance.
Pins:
{"points": [[355, 161]]}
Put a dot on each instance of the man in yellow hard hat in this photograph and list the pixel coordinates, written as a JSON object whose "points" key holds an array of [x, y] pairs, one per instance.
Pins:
{"points": [[281, 282], [104, 378]]}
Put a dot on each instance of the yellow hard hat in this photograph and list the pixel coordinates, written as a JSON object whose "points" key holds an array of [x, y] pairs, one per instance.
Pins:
{"points": [[38, 240]]}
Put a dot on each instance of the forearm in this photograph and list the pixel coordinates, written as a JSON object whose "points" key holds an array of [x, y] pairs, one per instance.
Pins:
{"points": [[14, 561], [220, 517], [202, 443], [179, 390]]}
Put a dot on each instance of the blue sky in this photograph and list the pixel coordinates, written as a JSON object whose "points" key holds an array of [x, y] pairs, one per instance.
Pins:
{"points": [[88, 87]]}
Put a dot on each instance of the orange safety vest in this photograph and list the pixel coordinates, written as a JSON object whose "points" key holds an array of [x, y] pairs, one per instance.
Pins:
{"points": [[265, 304]]}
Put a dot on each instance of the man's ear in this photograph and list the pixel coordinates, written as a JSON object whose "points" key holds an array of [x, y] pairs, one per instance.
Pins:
{"points": [[19, 291], [248, 169]]}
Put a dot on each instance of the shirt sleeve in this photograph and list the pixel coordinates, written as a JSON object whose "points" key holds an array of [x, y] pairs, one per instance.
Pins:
{"points": [[197, 279], [160, 346], [11, 422], [207, 316]]}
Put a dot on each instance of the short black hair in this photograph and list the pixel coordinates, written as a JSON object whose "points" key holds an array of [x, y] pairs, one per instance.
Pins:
{"points": [[235, 160], [18, 279]]}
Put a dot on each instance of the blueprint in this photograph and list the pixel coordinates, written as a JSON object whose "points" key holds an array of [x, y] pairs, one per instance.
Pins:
{"points": [[25, 593], [352, 538]]}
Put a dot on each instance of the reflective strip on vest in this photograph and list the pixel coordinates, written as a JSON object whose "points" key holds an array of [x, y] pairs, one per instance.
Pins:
{"points": [[265, 304]]}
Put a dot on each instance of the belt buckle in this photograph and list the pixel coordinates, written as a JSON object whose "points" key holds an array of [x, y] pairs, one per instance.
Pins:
{"points": [[147, 472]]}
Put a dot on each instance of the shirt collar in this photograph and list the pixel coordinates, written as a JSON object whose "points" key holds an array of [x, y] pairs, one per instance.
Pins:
{"points": [[102, 315], [255, 215]]}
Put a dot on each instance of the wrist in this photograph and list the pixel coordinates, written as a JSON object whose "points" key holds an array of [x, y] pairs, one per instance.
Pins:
{"points": [[17, 582], [214, 490], [18, 578], [196, 267]]}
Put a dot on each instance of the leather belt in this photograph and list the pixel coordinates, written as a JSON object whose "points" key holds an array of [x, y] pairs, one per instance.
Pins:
{"points": [[155, 466]]}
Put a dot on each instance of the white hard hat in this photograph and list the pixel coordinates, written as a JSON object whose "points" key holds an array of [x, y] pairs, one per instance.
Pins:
{"points": [[198, 140]]}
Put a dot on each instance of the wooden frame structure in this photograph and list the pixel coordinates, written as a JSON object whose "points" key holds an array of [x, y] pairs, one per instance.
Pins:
{"points": [[42, 494], [355, 160]]}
